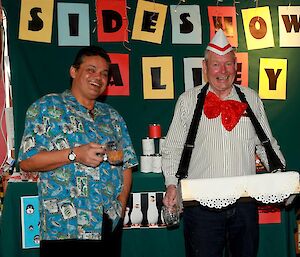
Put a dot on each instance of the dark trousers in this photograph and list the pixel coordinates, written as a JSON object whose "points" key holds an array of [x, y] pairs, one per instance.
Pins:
{"points": [[110, 245], [208, 231]]}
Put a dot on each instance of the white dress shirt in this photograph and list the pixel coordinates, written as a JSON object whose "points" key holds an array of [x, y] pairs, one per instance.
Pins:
{"points": [[217, 152]]}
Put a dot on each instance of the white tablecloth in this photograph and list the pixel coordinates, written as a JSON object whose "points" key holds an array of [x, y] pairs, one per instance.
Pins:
{"points": [[221, 192]]}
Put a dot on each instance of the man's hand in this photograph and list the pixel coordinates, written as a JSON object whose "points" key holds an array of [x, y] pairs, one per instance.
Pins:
{"points": [[90, 154], [170, 198]]}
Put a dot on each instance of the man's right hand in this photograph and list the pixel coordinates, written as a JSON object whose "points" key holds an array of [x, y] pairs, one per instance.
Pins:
{"points": [[90, 154], [170, 198]]}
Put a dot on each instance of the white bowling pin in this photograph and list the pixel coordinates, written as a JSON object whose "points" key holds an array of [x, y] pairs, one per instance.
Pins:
{"points": [[136, 214], [126, 217], [152, 212]]}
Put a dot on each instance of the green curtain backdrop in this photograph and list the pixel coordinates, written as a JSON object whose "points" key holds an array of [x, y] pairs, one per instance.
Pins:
{"points": [[40, 68]]}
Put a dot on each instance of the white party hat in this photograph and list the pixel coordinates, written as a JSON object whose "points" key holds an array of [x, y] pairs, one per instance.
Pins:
{"points": [[219, 44]]}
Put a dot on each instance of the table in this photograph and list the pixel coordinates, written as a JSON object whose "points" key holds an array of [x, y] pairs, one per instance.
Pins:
{"points": [[276, 240], [10, 230]]}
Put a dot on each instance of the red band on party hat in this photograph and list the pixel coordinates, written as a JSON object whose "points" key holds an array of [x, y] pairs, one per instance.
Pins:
{"points": [[220, 48]]}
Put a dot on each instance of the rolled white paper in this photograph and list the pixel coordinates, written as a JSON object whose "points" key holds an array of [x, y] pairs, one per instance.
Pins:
{"points": [[146, 163], [156, 164], [161, 142], [148, 146]]}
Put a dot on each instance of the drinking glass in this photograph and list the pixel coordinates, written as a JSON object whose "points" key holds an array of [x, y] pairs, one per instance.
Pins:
{"points": [[171, 215], [114, 153]]}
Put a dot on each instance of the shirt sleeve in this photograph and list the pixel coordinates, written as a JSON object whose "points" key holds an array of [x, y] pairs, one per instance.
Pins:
{"points": [[130, 158], [174, 142], [33, 137]]}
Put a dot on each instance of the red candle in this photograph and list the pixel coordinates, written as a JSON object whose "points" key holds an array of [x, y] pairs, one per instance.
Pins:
{"points": [[154, 131]]}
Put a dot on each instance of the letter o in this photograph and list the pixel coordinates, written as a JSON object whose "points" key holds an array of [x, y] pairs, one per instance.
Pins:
{"points": [[258, 33]]}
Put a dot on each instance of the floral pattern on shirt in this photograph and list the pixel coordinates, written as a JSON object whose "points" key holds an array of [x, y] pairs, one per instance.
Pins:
{"points": [[73, 197]]}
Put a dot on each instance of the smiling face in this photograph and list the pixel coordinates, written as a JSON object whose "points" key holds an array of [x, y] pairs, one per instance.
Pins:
{"points": [[220, 71], [89, 79]]}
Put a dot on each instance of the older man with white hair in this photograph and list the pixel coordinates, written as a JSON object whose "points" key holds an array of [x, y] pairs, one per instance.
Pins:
{"points": [[225, 145]]}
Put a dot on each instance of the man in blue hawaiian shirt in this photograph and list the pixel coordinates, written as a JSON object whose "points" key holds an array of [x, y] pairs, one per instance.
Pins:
{"points": [[81, 194]]}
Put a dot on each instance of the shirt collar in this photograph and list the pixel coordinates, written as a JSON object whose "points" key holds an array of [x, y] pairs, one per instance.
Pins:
{"points": [[231, 96], [72, 103]]}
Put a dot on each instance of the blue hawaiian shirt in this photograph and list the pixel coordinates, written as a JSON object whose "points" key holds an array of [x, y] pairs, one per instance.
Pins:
{"points": [[73, 197]]}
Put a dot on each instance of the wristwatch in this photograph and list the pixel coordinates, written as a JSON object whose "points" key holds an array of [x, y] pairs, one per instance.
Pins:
{"points": [[72, 156]]}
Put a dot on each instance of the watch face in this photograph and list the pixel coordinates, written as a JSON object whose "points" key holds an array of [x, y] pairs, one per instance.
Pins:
{"points": [[72, 156]]}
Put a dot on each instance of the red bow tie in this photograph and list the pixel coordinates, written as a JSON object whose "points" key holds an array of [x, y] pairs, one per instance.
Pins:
{"points": [[231, 110]]}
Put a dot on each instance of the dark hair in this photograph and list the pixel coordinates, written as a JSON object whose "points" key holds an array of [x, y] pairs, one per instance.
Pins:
{"points": [[90, 51]]}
